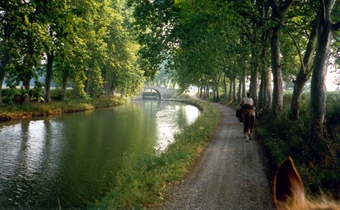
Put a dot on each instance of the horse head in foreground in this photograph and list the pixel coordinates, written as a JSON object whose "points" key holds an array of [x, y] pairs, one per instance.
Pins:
{"points": [[248, 119], [289, 192]]}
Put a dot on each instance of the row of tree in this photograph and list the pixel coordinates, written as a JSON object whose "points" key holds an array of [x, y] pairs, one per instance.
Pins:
{"points": [[213, 43], [86, 43]]}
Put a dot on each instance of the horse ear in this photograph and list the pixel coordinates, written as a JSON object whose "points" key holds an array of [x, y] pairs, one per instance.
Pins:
{"points": [[287, 183]]}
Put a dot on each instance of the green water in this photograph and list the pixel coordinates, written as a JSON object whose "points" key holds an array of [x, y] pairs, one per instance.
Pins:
{"points": [[69, 160]]}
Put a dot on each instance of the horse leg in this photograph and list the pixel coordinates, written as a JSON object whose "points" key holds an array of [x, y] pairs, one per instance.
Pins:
{"points": [[251, 125], [244, 129]]}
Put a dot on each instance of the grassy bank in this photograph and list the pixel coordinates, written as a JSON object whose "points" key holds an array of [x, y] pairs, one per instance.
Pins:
{"points": [[145, 177], [34, 109], [317, 162]]}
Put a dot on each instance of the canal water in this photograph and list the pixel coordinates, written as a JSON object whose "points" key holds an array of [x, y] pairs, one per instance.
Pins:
{"points": [[68, 160]]}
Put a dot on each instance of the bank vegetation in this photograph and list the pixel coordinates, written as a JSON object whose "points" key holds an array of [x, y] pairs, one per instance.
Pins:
{"points": [[18, 111]]}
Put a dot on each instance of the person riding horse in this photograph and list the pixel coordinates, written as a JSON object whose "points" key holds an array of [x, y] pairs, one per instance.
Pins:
{"points": [[248, 103]]}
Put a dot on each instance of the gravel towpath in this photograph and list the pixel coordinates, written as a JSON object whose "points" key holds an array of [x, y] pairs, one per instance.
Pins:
{"points": [[230, 174]]}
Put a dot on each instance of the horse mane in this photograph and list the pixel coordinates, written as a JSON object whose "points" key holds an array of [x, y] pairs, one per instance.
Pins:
{"points": [[289, 191]]}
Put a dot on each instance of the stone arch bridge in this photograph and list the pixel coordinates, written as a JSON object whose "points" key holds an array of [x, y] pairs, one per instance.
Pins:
{"points": [[162, 92]]}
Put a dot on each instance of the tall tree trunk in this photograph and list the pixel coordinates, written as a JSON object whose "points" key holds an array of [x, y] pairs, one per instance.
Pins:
{"points": [[29, 62], [64, 85], [266, 90], [225, 87], [26, 84], [254, 83], [243, 84], [277, 104], [279, 11], [303, 74], [5, 57], [261, 103], [265, 97], [87, 84], [230, 89], [107, 88], [217, 87], [234, 89], [48, 78], [207, 92], [2, 78], [318, 86]]}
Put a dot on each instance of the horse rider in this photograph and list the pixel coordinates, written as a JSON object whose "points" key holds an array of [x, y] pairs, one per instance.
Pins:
{"points": [[248, 103]]}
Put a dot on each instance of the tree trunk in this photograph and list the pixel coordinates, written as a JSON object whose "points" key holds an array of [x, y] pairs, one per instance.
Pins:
{"points": [[243, 84], [29, 62], [48, 78], [266, 90], [303, 74], [2, 78], [64, 85], [318, 86], [26, 84], [217, 92], [239, 91], [217, 87], [277, 104], [87, 84], [234, 89], [279, 11], [5, 59], [254, 83], [207, 92], [230, 89], [107, 88], [266, 80], [225, 87]]}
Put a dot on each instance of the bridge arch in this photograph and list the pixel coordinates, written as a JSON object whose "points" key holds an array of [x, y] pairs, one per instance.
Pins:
{"points": [[160, 97], [159, 93]]}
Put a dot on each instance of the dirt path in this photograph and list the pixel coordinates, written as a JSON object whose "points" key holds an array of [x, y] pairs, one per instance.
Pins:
{"points": [[230, 174]]}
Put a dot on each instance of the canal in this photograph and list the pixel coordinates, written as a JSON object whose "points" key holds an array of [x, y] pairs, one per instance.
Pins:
{"points": [[69, 160]]}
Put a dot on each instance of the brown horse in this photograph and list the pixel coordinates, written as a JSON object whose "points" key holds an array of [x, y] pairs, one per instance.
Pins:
{"points": [[248, 119], [289, 192]]}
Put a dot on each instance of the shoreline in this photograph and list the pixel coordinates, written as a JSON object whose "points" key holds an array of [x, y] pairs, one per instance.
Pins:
{"points": [[31, 110]]}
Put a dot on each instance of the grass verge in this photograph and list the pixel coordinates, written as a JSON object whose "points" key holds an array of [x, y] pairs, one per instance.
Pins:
{"points": [[23, 111], [144, 177]]}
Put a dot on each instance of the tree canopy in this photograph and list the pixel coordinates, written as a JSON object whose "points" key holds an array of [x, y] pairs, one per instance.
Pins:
{"points": [[266, 44], [86, 44], [103, 47]]}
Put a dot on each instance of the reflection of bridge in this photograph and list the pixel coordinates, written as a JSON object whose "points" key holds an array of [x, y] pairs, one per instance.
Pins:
{"points": [[162, 92]]}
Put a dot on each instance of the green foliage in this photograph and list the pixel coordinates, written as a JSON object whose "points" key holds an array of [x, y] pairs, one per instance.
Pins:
{"points": [[318, 161], [85, 43]]}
